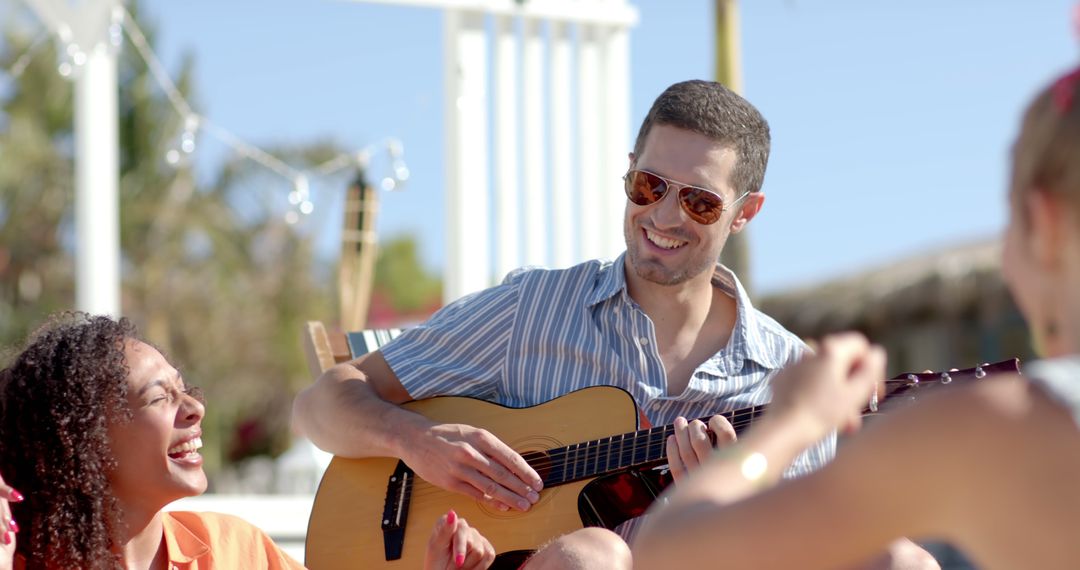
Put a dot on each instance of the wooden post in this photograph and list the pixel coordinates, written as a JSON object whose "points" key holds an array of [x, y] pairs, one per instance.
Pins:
{"points": [[359, 248], [736, 254]]}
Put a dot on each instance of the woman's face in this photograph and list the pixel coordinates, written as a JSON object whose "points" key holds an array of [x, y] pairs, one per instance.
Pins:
{"points": [[1027, 279], [157, 451]]}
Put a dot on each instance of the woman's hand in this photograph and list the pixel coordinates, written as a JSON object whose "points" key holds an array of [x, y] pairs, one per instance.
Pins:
{"points": [[454, 544], [8, 526], [829, 389]]}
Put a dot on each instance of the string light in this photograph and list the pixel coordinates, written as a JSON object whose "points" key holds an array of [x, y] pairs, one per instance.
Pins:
{"points": [[72, 58]]}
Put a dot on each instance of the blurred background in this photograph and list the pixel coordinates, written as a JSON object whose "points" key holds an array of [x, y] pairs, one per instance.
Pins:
{"points": [[240, 152]]}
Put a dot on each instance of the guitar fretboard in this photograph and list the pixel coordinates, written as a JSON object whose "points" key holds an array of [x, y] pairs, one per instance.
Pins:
{"points": [[639, 449]]}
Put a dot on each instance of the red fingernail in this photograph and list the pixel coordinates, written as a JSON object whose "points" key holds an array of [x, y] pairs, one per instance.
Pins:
{"points": [[7, 539], [14, 525], [16, 496], [459, 560], [451, 517]]}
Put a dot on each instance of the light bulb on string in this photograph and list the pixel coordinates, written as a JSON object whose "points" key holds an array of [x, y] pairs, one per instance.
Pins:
{"points": [[116, 27], [306, 207], [399, 171], [300, 190], [172, 156], [291, 217], [187, 138]]}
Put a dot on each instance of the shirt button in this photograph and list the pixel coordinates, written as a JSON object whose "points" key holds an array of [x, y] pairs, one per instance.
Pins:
{"points": [[643, 341]]}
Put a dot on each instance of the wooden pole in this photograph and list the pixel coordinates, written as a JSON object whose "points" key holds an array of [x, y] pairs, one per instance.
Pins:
{"points": [[736, 254], [359, 248]]}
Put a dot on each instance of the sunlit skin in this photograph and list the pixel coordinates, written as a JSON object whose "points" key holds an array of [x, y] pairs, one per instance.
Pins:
{"points": [[694, 159], [164, 417]]}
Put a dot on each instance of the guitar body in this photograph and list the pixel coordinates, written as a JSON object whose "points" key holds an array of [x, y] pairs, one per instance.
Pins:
{"points": [[345, 527]]}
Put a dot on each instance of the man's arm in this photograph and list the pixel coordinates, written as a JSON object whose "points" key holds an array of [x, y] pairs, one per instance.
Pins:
{"points": [[353, 410]]}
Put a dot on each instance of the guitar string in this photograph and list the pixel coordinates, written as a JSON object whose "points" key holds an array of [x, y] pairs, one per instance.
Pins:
{"points": [[593, 450], [589, 453]]}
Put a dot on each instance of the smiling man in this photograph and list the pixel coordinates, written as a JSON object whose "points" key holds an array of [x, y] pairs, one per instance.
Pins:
{"points": [[664, 321]]}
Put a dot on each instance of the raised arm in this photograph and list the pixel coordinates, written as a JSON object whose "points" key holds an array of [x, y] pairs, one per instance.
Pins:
{"points": [[954, 466]]}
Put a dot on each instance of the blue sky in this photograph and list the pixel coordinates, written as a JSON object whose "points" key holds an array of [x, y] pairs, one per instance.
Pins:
{"points": [[891, 121]]}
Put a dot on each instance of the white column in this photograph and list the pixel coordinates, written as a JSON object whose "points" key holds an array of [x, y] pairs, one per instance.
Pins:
{"points": [[97, 182], [562, 187], [618, 139], [534, 155], [592, 208], [468, 260], [84, 28], [508, 217]]}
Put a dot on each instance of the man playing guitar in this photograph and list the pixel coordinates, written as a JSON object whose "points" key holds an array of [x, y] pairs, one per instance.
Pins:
{"points": [[664, 321]]}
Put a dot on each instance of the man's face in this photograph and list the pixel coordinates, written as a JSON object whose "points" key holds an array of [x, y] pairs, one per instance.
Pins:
{"points": [[663, 244]]}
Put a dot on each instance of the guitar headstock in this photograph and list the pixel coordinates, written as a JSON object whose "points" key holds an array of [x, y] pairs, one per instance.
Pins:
{"points": [[910, 384]]}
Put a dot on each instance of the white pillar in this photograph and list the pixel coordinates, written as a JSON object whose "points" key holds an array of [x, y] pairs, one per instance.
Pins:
{"points": [[83, 28], [618, 139], [468, 257], [97, 182], [534, 155], [562, 187], [508, 216], [592, 208]]}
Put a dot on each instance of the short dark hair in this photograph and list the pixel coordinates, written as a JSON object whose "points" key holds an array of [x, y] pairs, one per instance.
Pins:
{"points": [[710, 109]]}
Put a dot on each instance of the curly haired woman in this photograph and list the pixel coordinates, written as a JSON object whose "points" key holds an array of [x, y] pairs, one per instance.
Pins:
{"points": [[99, 433]]}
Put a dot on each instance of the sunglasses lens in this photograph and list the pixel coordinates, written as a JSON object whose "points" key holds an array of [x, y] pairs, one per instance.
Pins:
{"points": [[702, 206], [643, 188]]}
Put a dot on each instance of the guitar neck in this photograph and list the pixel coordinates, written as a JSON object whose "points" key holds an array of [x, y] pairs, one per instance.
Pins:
{"points": [[647, 447], [640, 449]]}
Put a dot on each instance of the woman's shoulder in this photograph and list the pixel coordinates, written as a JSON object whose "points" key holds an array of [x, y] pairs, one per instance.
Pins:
{"points": [[210, 524], [227, 539]]}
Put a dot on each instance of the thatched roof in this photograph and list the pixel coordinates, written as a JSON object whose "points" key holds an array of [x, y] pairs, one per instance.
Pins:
{"points": [[946, 282]]}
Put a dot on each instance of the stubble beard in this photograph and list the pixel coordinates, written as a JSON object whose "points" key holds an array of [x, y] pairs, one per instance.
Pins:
{"points": [[655, 271]]}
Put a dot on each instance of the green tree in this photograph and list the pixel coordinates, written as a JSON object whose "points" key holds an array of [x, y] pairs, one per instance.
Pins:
{"points": [[402, 279], [211, 273]]}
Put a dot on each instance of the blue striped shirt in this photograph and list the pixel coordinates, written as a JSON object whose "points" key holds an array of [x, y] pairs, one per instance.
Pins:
{"points": [[544, 333]]}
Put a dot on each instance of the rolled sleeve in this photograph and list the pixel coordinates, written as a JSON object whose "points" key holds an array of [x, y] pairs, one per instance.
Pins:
{"points": [[459, 351]]}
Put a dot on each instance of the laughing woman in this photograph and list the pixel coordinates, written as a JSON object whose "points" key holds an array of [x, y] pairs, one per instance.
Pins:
{"points": [[98, 432]]}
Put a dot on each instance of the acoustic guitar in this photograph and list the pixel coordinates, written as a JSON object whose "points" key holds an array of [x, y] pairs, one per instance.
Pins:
{"points": [[586, 446]]}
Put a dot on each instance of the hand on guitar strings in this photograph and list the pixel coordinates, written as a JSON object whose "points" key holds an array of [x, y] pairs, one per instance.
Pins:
{"points": [[454, 544], [828, 390], [473, 462], [693, 443]]}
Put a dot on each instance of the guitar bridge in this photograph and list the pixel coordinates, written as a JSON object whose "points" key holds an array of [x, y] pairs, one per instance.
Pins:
{"points": [[396, 510]]}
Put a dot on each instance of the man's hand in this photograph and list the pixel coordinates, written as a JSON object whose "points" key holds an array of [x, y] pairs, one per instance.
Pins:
{"points": [[454, 544], [690, 446], [473, 462]]}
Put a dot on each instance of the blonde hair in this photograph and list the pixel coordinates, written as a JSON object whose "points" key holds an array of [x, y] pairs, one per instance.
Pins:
{"points": [[1046, 154]]}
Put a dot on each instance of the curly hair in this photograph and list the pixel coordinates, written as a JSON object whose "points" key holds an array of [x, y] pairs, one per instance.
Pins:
{"points": [[57, 400]]}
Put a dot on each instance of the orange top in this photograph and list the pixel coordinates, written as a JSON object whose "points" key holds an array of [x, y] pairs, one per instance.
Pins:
{"points": [[200, 541]]}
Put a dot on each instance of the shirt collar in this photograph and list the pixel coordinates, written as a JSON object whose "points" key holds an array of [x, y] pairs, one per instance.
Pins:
{"points": [[182, 544], [610, 280], [746, 342]]}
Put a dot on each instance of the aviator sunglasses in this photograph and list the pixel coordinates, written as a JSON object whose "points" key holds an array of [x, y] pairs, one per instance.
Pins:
{"points": [[703, 206]]}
